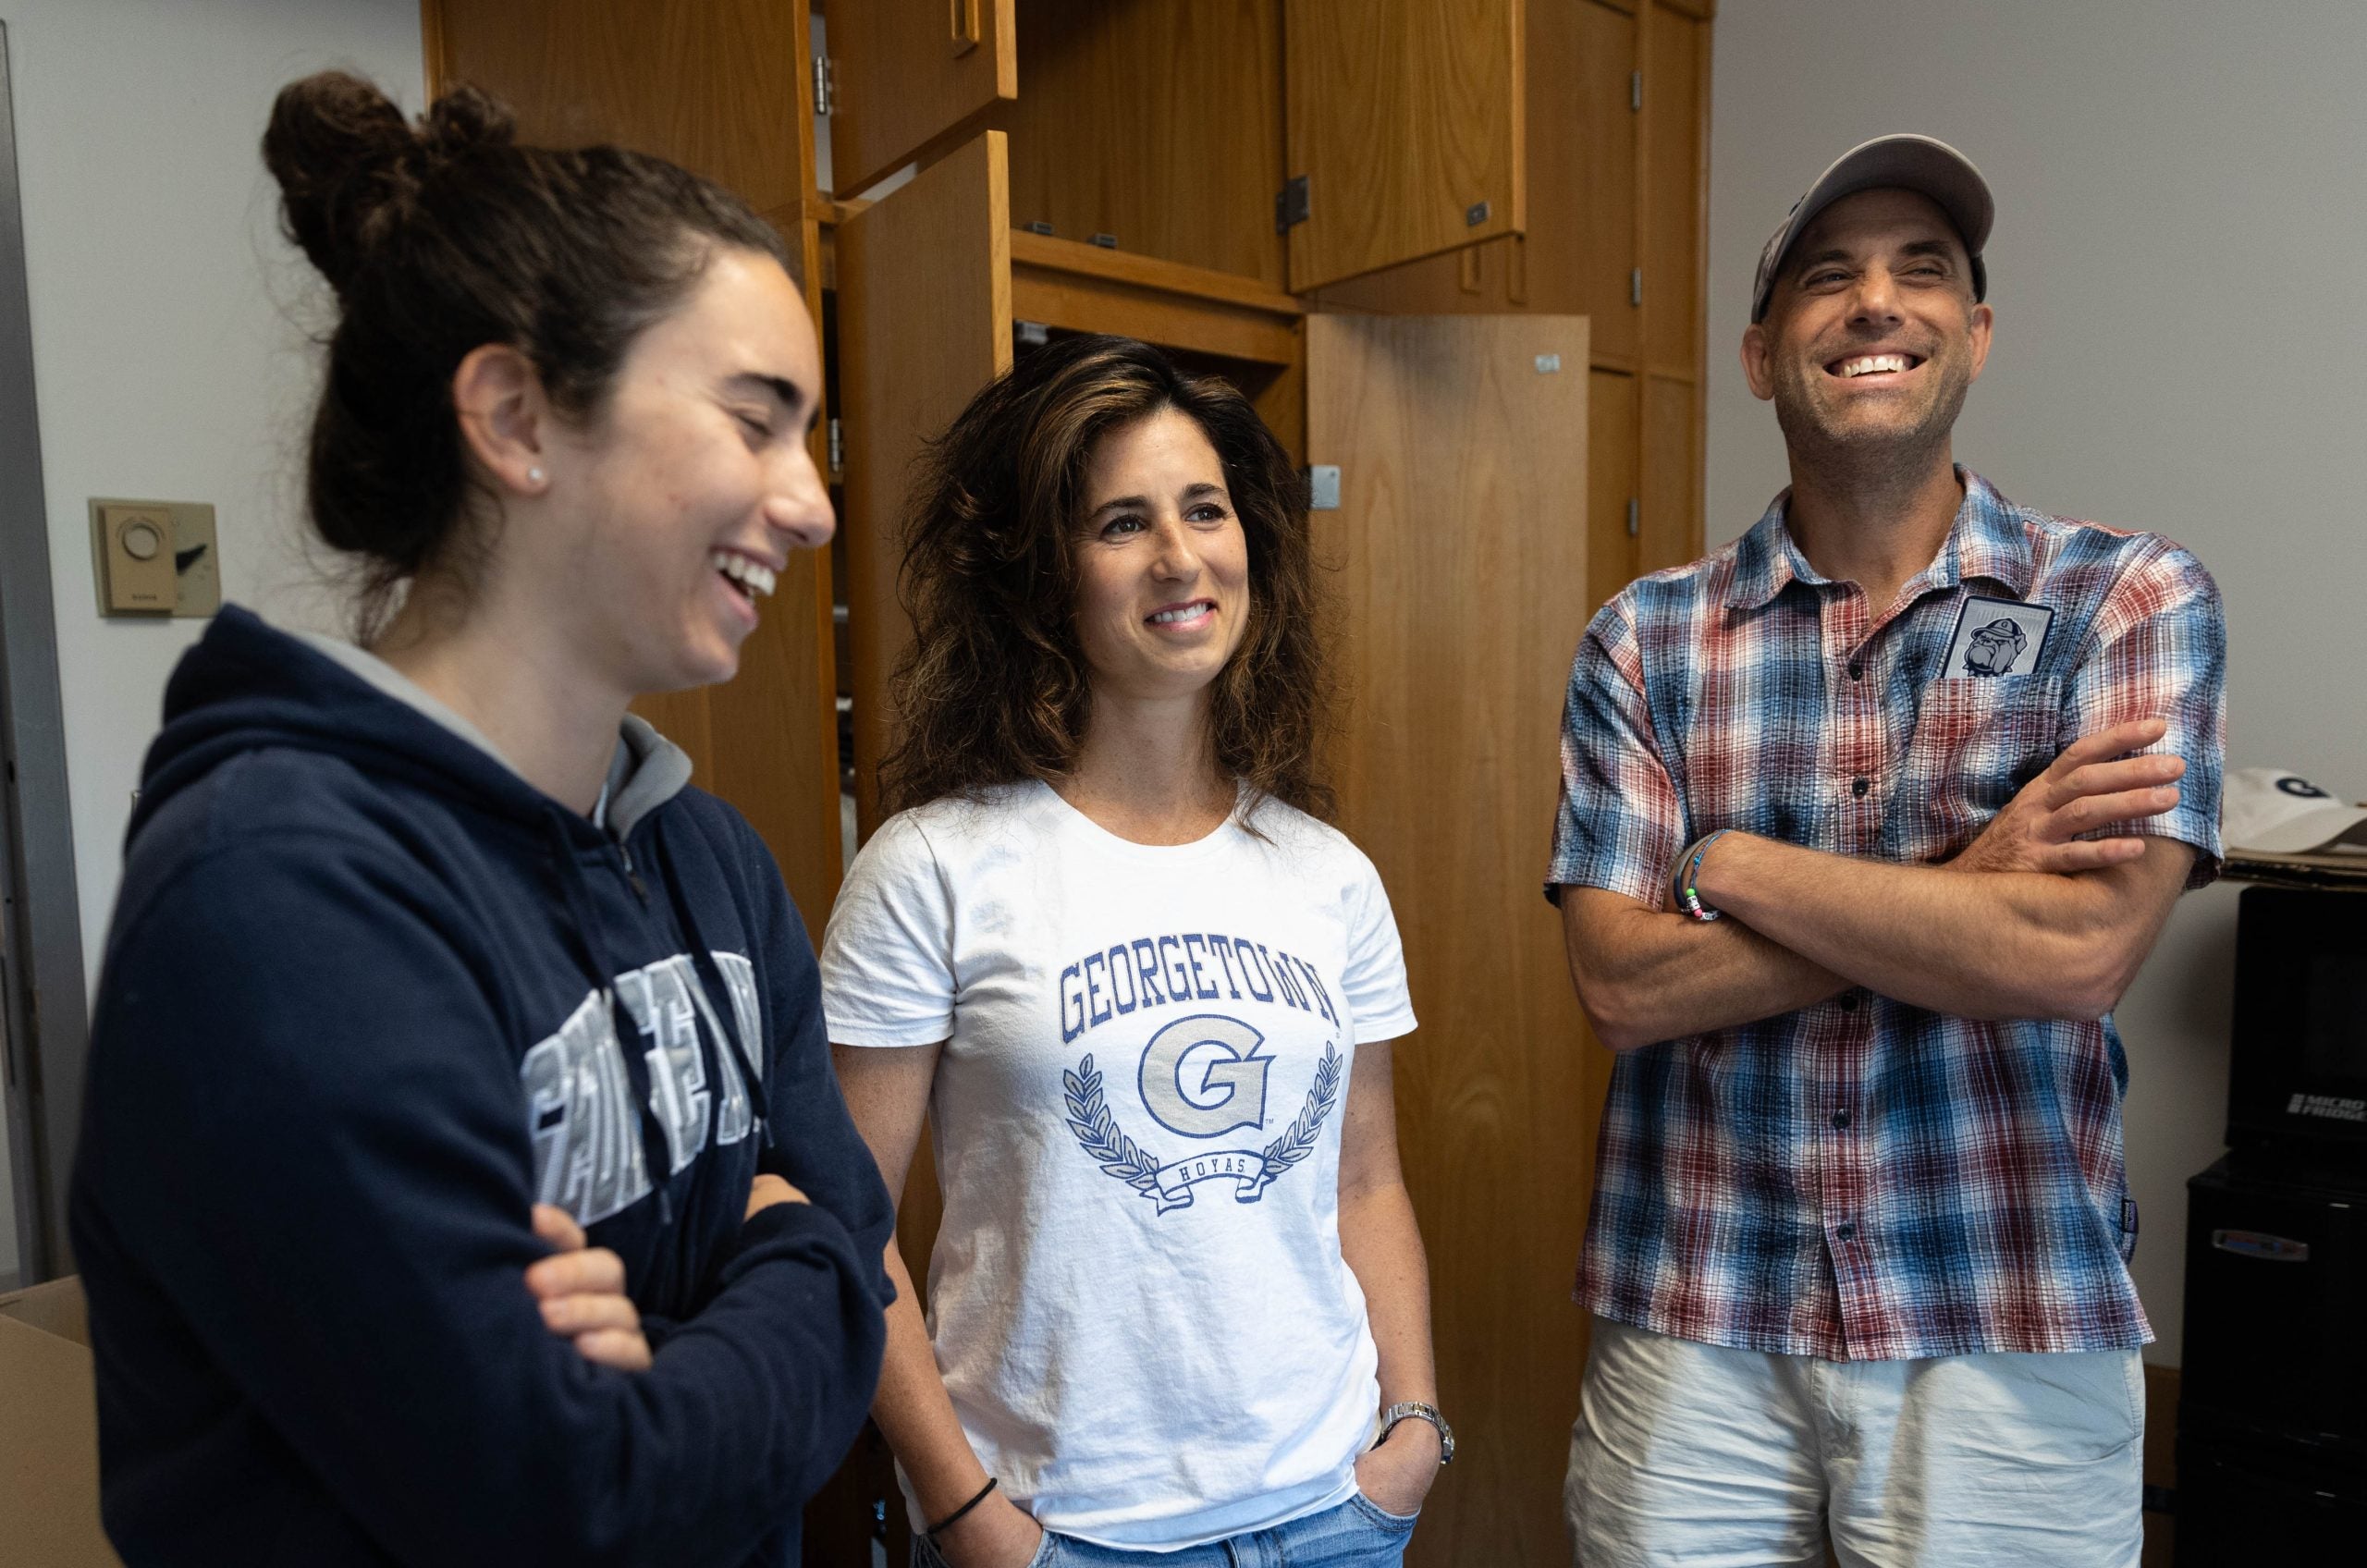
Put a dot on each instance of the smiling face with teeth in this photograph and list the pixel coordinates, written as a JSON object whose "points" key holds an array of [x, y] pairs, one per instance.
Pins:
{"points": [[1163, 565], [672, 512], [1872, 333]]}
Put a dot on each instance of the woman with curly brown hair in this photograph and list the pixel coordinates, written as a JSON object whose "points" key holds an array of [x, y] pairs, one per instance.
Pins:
{"points": [[1146, 992]]}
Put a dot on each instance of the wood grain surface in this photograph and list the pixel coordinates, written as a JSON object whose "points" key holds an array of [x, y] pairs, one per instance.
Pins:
{"points": [[716, 86], [904, 91], [1582, 176], [1461, 549], [924, 322], [1402, 114], [713, 85], [1157, 122]]}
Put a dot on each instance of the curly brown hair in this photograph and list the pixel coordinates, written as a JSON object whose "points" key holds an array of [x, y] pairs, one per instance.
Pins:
{"points": [[994, 688]]}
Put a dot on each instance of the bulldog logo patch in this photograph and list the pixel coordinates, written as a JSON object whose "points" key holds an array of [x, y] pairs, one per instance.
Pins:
{"points": [[1996, 637]]}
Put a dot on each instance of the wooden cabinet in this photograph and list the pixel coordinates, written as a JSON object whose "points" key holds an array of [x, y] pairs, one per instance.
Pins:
{"points": [[1618, 161], [1495, 333], [910, 76], [1182, 128], [719, 86], [1406, 130], [1459, 479]]}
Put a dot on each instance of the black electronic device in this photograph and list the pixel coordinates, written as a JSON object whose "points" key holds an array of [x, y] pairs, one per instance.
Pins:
{"points": [[2273, 1397], [2297, 1078], [2275, 1286]]}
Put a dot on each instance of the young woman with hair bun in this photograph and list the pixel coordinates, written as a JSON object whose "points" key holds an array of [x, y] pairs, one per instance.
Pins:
{"points": [[1143, 996], [463, 1179]]}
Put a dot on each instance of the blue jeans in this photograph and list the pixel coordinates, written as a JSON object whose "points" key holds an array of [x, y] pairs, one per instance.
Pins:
{"points": [[1357, 1534]]}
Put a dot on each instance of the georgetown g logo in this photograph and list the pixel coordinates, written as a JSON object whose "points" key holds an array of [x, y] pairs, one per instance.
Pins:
{"points": [[1202, 1077], [1995, 647]]}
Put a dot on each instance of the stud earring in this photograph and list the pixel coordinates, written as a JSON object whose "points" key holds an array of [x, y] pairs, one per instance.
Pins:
{"points": [[535, 475]]}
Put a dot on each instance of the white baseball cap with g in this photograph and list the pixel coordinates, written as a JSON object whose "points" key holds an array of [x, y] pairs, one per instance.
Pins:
{"points": [[2270, 811]]}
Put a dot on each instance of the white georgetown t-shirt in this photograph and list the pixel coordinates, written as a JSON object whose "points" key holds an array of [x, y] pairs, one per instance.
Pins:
{"points": [[1137, 1297]]}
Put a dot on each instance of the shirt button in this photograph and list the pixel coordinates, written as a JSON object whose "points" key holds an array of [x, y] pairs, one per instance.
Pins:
{"points": [[1859, 787], [1849, 1002], [1845, 1232], [1841, 1118], [1856, 670]]}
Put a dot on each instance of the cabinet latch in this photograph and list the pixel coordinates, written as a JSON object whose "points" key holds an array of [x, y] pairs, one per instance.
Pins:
{"points": [[826, 86], [1323, 487]]}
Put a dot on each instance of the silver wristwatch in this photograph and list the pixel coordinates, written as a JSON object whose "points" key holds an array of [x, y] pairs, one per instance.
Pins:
{"points": [[1412, 1410]]}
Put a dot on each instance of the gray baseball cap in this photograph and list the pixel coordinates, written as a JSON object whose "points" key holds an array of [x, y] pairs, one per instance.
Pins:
{"points": [[1919, 164]]}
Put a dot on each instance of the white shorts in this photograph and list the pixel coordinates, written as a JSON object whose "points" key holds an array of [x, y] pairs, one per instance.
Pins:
{"points": [[1714, 1458]]}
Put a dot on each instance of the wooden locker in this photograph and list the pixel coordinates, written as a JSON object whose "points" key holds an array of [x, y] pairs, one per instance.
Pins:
{"points": [[1614, 554], [1405, 117], [718, 86], [1158, 123], [911, 79], [1462, 544], [1577, 254], [924, 322]]}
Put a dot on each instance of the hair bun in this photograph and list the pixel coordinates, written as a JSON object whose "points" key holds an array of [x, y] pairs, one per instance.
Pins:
{"points": [[349, 166], [465, 121]]}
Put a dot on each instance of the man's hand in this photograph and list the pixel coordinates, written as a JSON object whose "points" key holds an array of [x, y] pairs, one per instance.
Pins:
{"points": [[766, 1191], [1396, 1474], [996, 1534], [2081, 791], [582, 1289]]}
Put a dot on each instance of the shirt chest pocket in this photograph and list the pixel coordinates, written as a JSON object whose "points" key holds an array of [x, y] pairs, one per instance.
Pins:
{"points": [[1976, 743]]}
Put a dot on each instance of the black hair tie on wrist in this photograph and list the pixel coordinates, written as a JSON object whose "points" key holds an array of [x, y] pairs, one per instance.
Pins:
{"points": [[960, 1513]]}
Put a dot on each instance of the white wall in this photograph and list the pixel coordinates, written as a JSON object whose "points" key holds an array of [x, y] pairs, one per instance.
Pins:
{"points": [[169, 327], [2181, 247]]}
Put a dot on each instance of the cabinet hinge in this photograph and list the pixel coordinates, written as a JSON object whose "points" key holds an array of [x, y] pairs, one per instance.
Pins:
{"points": [[1635, 91], [1291, 204], [1635, 286], [1635, 517], [826, 85], [838, 444]]}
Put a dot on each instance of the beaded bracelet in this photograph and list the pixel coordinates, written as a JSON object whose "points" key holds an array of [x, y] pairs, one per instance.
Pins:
{"points": [[960, 1513], [1689, 895]]}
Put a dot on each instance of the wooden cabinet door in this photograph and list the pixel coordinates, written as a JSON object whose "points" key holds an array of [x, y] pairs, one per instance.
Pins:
{"points": [[1461, 546], [719, 87], [912, 76], [924, 322], [1405, 119]]}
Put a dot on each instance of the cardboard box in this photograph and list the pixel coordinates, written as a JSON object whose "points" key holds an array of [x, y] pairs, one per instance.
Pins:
{"points": [[49, 1431]]}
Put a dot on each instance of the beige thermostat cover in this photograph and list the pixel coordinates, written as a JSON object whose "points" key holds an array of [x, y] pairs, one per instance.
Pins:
{"points": [[155, 557]]}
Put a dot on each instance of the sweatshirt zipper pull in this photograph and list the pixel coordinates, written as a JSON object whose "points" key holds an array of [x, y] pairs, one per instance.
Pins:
{"points": [[640, 888]]}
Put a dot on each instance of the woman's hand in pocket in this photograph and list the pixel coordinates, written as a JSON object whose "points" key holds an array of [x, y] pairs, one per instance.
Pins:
{"points": [[1396, 1476], [996, 1534]]}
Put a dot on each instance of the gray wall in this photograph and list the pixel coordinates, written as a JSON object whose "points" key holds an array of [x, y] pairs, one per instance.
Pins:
{"points": [[169, 326], [2181, 248]]}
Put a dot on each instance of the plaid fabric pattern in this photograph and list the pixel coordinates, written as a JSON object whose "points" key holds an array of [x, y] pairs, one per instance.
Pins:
{"points": [[1865, 1180]]}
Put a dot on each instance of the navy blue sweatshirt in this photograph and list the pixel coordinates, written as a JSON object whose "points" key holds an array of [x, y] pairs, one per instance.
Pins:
{"points": [[361, 1006]]}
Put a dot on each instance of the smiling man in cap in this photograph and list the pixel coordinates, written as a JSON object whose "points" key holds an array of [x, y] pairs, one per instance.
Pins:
{"points": [[1866, 821]]}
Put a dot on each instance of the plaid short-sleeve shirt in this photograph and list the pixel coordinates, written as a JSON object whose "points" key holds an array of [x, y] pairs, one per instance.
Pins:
{"points": [[1864, 1179]]}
